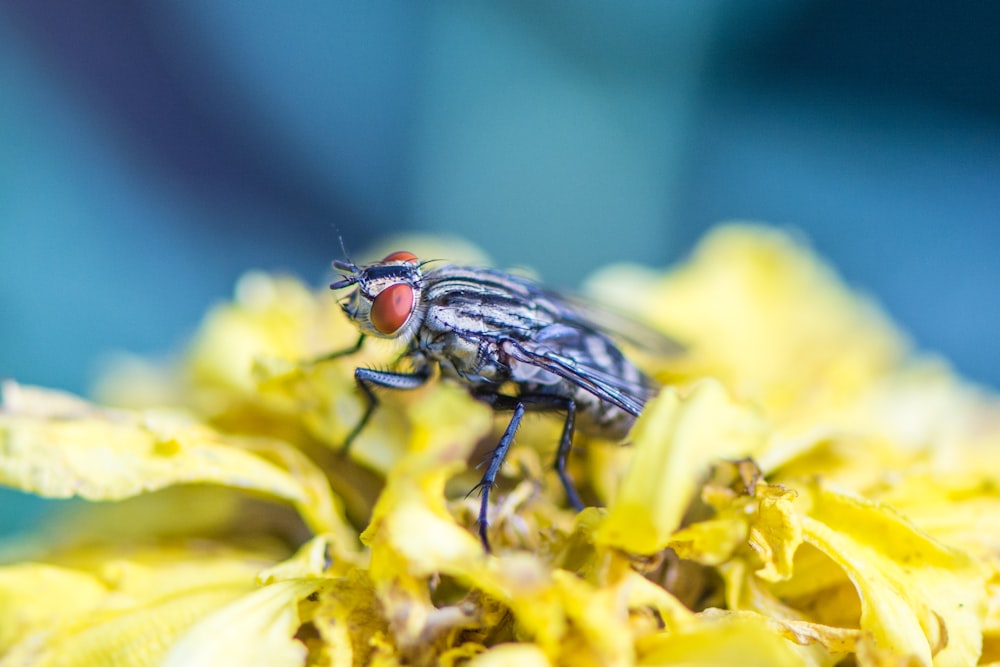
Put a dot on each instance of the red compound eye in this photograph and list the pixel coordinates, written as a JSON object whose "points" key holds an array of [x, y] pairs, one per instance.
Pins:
{"points": [[399, 256], [392, 307]]}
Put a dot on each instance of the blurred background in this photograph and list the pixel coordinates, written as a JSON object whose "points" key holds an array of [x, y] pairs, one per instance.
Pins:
{"points": [[151, 152]]}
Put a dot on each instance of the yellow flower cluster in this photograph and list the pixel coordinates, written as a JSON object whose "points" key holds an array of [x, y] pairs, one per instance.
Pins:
{"points": [[804, 490]]}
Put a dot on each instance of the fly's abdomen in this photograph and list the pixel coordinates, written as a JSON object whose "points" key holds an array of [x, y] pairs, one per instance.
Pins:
{"points": [[601, 418], [466, 322], [593, 362]]}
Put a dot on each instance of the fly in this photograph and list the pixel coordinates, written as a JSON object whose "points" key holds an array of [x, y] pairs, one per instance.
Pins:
{"points": [[512, 343]]}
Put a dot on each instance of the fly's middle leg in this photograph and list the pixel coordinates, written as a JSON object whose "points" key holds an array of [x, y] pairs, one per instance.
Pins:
{"points": [[541, 403], [490, 476]]}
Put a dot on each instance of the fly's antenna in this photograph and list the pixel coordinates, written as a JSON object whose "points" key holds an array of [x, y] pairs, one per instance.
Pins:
{"points": [[421, 281], [427, 261], [345, 264], [350, 268], [343, 248]]}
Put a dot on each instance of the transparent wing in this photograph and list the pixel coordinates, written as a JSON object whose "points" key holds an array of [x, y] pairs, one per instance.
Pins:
{"points": [[583, 313], [577, 311]]}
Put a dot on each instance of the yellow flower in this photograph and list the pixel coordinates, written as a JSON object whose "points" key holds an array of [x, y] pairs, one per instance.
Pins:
{"points": [[805, 488]]}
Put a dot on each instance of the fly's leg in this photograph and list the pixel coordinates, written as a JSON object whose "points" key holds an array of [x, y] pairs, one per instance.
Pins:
{"points": [[335, 355], [541, 403], [367, 378], [316, 361], [565, 445], [371, 402], [490, 476]]}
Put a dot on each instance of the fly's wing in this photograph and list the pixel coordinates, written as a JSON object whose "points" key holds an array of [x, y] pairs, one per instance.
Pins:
{"points": [[589, 361], [580, 312], [555, 333]]}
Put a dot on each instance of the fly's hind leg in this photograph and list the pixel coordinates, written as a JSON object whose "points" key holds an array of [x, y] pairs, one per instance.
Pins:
{"points": [[562, 453]]}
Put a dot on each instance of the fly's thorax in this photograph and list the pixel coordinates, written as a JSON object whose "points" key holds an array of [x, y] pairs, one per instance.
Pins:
{"points": [[458, 343], [482, 302], [468, 314]]}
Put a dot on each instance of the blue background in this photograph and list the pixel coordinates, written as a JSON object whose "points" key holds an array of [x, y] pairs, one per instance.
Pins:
{"points": [[150, 152]]}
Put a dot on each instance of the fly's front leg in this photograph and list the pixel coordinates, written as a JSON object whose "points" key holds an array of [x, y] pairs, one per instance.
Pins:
{"points": [[335, 355], [367, 379]]}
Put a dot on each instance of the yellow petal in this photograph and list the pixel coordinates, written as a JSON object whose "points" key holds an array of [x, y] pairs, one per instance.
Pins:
{"points": [[115, 611], [754, 520], [322, 556], [34, 595], [710, 542], [350, 621], [775, 531], [820, 643], [918, 597], [676, 440], [257, 629], [724, 639], [139, 638], [57, 447], [503, 655], [758, 310], [271, 316], [960, 509]]}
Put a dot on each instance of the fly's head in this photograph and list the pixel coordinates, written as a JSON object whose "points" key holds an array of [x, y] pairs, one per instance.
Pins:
{"points": [[386, 301]]}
